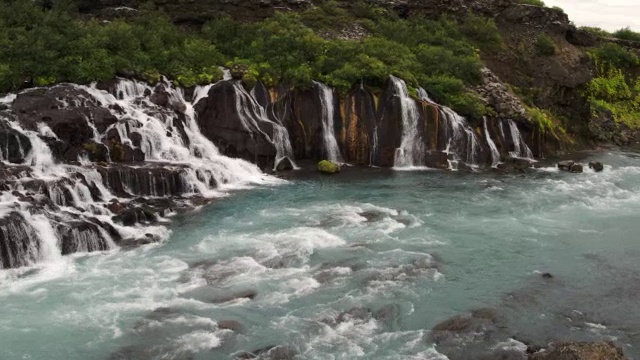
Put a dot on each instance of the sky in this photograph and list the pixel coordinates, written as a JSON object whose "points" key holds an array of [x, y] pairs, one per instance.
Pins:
{"points": [[610, 15]]}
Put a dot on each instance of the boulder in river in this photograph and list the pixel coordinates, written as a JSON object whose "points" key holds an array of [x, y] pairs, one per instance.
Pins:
{"points": [[284, 165], [596, 166], [581, 351], [566, 165], [576, 168], [328, 167]]}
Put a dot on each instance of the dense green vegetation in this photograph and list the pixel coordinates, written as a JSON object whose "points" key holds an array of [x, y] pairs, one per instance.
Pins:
{"points": [[627, 34], [41, 45], [532, 2], [615, 90]]}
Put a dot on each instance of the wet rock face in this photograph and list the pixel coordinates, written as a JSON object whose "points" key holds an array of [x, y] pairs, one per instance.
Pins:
{"points": [[67, 111], [152, 180], [14, 146], [581, 351], [16, 246], [243, 135]]}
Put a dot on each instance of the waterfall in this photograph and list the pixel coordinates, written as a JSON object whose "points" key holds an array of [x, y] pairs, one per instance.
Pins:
{"points": [[331, 149], [520, 148], [423, 95], [180, 160], [252, 115], [495, 154], [411, 149], [462, 141]]}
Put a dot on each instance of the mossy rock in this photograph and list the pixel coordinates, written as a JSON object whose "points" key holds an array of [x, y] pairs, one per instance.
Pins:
{"points": [[328, 167]]}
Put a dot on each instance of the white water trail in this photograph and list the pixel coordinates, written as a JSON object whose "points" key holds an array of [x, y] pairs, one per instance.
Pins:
{"points": [[411, 149], [520, 148], [331, 148], [462, 141], [495, 154], [83, 193], [251, 114]]}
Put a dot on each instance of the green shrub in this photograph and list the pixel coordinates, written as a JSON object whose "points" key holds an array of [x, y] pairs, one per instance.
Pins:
{"points": [[615, 55], [483, 32], [531, 2], [596, 31], [545, 46], [627, 34]]}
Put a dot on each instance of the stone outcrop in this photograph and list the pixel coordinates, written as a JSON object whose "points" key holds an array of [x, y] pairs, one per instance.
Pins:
{"points": [[495, 94], [244, 134], [581, 351]]}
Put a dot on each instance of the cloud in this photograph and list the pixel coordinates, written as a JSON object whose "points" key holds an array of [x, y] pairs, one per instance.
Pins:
{"points": [[608, 14]]}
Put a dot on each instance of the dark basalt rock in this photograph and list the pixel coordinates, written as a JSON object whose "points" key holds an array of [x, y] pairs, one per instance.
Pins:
{"points": [[480, 320], [14, 146], [221, 123], [85, 236], [284, 165], [232, 325], [65, 109], [566, 165], [576, 168], [246, 294], [18, 242], [581, 351], [149, 180], [596, 166]]}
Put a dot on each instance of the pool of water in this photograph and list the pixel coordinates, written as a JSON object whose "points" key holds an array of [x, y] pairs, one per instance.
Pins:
{"points": [[359, 265]]}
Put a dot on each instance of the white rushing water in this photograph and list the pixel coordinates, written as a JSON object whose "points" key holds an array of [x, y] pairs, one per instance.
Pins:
{"points": [[411, 150], [462, 142], [204, 171], [521, 150], [495, 154], [331, 148]]}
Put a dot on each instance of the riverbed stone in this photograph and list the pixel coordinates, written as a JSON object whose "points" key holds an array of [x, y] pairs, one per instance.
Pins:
{"points": [[576, 168], [328, 167], [596, 166], [565, 165], [581, 351]]}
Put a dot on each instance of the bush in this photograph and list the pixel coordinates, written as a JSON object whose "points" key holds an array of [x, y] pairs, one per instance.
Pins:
{"points": [[545, 46], [532, 2], [596, 31], [611, 54], [627, 34], [483, 32]]}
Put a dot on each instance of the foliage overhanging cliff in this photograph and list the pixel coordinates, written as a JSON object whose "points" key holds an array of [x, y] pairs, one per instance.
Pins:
{"points": [[570, 80]]}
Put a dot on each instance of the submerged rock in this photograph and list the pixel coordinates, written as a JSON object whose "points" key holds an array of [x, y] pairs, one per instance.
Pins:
{"points": [[246, 294], [576, 168], [581, 351], [284, 165], [596, 166], [328, 167], [478, 321], [565, 165]]}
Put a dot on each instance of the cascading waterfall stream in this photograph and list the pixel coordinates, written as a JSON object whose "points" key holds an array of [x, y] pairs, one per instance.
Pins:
{"points": [[37, 233], [331, 149], [411, 149], [463, 142], [521, 150], [495, 154], [250, 112]]}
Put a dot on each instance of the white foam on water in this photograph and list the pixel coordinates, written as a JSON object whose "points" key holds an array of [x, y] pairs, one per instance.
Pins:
{"points": [[511, 345], [198, 341]]}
